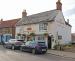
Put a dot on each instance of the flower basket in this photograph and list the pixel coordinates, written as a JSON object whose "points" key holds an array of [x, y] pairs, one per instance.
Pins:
{"points": [[32, 34], [46, 34], [19, 34], [24, 34]]}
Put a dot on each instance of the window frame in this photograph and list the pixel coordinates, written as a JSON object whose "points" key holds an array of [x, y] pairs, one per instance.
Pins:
{"points": [[43, 26]]}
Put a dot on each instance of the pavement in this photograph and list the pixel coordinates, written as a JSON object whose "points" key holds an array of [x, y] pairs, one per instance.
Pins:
{"points": [[62, 53], [17, 55]]}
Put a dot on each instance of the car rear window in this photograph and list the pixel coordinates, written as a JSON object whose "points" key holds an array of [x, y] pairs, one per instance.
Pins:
{"points": [[11, 40], [19, 40], [41, 43]]}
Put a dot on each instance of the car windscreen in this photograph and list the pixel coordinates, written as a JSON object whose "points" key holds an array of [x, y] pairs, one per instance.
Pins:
{"points": [[41, 43]]}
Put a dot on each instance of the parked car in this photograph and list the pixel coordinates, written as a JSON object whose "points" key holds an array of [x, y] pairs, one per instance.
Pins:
{"points": [[34, 47], [13, 44]]}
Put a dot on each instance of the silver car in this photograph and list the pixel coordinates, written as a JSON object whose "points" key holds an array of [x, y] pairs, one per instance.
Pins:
{"points": [[13, 44]]}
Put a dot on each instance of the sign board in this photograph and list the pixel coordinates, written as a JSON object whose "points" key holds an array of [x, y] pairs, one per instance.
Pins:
{"points": [[29, 29]]}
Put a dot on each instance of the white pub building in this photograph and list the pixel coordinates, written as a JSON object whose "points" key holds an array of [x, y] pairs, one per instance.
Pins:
{"points": [[50, 22]]}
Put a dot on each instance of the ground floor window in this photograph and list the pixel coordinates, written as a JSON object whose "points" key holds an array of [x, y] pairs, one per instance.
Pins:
{"points": [[59, 37], [41, 38]]}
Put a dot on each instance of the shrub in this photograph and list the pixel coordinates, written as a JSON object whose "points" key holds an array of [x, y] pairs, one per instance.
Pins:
{"points": [[19, 34], [45, 34], [32, 34]]}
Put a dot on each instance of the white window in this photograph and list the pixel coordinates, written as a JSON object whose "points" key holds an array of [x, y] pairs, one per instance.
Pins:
{"points": [[59, 37], [40, 37], [43, 26]]}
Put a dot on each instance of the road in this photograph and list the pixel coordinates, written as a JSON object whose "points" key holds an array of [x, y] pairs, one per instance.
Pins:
{"points": [[16, 55]]}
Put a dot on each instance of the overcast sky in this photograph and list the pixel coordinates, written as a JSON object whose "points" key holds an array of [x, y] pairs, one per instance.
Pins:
{"points": [[11, 9]]}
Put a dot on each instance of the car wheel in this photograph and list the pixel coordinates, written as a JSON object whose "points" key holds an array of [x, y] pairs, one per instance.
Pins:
{"points": [[33, 51], [13, 48], [4, 46], [21, 49]]}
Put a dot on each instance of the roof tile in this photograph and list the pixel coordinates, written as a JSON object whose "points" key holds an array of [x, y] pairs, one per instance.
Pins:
{"points": [[9, 23]]}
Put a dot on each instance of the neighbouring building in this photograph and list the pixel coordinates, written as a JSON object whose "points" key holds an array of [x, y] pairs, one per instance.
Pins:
{"points": [[51, 23], [7, 29], [73, 37]]}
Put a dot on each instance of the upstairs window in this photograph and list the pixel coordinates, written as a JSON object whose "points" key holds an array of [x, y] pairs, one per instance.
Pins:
{"points": [[43, 26]]}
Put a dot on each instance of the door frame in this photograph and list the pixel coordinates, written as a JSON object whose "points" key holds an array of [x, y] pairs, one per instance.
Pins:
{"points": [[49, 42]]}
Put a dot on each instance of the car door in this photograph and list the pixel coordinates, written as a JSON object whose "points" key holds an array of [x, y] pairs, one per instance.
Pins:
{"points": [[30, 47], [11, 42], [8, 45], [26, 47]]}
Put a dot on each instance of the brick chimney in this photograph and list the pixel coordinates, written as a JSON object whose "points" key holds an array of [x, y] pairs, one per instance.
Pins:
{"points": [[59, 5], [24, 13], [1, 20]]}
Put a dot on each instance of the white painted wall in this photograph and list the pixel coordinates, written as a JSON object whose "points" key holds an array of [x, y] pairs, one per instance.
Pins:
{"points": [[57, 26], [62, 28], [52, 31], [23, 29]]}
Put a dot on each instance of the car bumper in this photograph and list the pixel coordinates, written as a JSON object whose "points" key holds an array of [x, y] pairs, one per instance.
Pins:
{"points": [[17, 47], [41, 50]]}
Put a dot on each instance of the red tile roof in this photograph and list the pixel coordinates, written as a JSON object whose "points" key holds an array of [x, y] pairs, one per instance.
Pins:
{"points": [[9, 23]]}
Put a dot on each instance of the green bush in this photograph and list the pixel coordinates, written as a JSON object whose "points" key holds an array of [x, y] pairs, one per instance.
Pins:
{"points": [[32, 34], [45, 34], [58, 47]]}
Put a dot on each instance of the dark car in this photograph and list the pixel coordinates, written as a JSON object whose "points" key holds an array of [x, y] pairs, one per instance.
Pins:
{"points": [[13, 44], [34, 47]]}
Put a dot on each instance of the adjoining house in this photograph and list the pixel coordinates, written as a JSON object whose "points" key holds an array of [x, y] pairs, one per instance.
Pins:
{"points": [[51, 23], [73, 38], [7, 29]]}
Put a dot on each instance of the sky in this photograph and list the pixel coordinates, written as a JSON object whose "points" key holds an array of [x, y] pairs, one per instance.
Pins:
{"points": [[12, 9]]}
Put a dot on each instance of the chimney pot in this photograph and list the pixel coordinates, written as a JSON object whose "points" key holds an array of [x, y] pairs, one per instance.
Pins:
{"points": [[59, 5], [24, 13], [1, 19]]}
